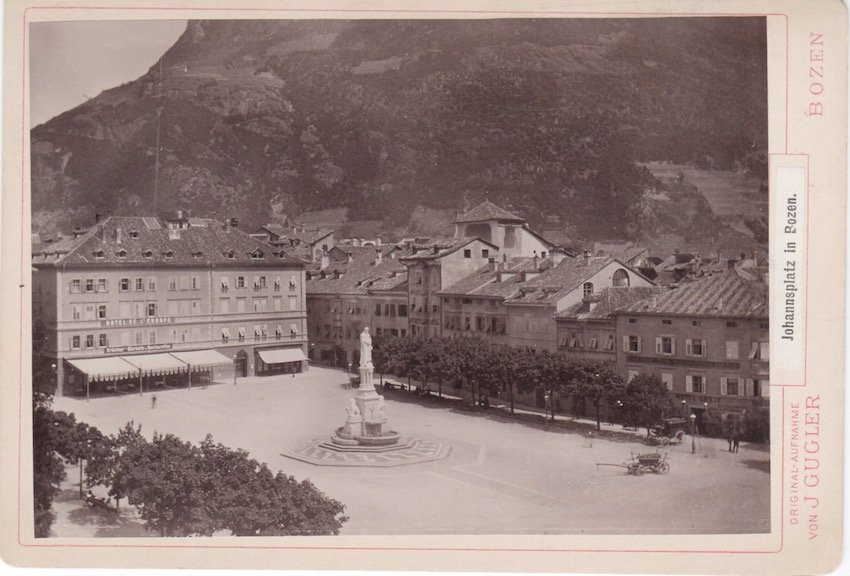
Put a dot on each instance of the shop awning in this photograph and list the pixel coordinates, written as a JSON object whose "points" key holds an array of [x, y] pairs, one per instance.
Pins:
{"points": [[156, 364], [203, 359], [282, 355], [111, 368]]}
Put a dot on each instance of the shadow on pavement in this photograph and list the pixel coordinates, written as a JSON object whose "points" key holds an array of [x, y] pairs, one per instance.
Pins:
{"points": [[761, 465]]}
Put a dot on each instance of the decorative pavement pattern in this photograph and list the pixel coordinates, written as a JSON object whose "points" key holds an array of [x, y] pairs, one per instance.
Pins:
{"points": [[322, 453]]}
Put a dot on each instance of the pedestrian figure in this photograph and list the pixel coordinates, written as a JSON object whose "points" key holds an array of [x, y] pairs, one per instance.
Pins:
{"points": [[729, 437], [735, 441], [153, 401]]}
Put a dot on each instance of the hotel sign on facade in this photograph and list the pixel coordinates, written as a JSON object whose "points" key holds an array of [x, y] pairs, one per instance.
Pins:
{"points": [[137, 321]]}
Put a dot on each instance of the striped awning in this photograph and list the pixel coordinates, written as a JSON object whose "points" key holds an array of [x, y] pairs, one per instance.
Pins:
{"points": [[281, 355], [156, 364], [203, 359], [111, 368]]}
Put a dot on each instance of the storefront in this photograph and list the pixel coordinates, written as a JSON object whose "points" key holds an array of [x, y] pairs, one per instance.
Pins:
{"points": [[270, 361]]}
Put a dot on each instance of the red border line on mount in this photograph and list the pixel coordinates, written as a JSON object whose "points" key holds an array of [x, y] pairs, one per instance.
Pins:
{"points": [[482, 13]]}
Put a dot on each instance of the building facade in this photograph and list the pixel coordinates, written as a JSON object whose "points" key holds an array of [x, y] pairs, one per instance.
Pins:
{"points": [[120, 302], [707, 341]]}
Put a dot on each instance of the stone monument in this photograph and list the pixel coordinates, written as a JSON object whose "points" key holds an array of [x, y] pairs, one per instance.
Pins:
{"points": [[366, 421]]}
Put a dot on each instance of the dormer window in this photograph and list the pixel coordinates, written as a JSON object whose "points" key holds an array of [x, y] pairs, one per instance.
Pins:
{"points": [[148, 254], [169, 255], [134, 234], [197, 254], [229, 254], [98, 254], [121, 253], [256, 254]]}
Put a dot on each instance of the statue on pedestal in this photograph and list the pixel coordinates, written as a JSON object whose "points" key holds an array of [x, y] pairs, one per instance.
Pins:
{"points": [[365, 348]]}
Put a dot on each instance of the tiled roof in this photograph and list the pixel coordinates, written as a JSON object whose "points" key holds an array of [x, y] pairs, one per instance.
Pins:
{"points": [[608, 301], [723, 295], [306, 236], [488, 211], [439, 247], [361, 275], [484, 282], [557, 282], [121, 241]]}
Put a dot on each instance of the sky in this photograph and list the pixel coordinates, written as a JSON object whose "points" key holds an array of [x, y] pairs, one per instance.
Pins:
{"points": [[73, 61]]}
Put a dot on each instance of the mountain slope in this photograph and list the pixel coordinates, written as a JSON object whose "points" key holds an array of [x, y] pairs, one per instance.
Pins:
{"points": [[265, 118]]}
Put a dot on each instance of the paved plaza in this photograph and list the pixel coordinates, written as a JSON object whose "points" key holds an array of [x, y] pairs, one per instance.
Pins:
{"points": [[500, 476]]}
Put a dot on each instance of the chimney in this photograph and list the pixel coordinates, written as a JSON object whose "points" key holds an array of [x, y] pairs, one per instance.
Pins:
{"points": [[379, 256], [174, 233], [492, 266], [378, 241], [350, 257], [587, 257], [556, 256], [97, 217], [118, 235], [100, 234], [324, 260]]}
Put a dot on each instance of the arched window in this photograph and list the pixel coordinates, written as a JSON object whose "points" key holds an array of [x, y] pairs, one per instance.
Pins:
{"points": [[621, 278], [587, 289]]}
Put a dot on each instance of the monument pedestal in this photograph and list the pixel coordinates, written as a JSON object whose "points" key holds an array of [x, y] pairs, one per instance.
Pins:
{"points": [[370, 412]]}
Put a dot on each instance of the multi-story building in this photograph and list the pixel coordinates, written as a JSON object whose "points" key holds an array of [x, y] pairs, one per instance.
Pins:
{"points": [[531, 311], [706, 340], [434, 265], [366, 288], [300, 241], [137, 301], [587, 330], [498, 226]]}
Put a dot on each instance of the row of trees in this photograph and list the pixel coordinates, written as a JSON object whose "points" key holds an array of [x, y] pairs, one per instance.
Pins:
{"points": [[493, 370], [179, 489]]}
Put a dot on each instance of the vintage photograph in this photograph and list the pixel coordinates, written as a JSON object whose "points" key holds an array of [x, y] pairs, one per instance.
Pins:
{"points": [[343, 277]]}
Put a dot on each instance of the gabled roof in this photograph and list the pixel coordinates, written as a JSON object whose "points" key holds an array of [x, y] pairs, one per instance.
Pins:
{"points": [[722, 295], [361, 275], [488, 211], [485, 283], [122, 241], [439, 247], [608, 301]]}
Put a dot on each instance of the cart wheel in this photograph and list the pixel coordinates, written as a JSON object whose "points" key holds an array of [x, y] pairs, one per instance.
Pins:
{"points": [[680, 436], [665, 441], [662, 468], [638, 470]]}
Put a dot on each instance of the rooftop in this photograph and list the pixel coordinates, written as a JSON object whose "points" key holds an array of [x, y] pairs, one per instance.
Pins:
{"points": [[557, 282], [433, 248], [503, 282], [363, 274], [121, 241], [608, 301], [488, 211], [723, 295]]}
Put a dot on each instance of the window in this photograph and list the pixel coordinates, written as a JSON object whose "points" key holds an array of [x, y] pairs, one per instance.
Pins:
{"points": [[694, 384], [632, 343], [756, 388], [760, 351], [224, 284], [277, 284], [666, 321], [609, 345], [731, 324], [587, 289], [101, 341], [729, 387], [632, 320], [75, 342], [667, 380], [593, 344], [485, 253], [240, 281], [293, 302], [101, 311], [89, 284], [402, 310], [262, 281], [89, 340], [696, 323], [148, 254], [620, 278], [240, 305], [467, 253], [134, 234], [152, 337], [140, 284], [694, 347], [172, 283], [98, 254], [140, 338], [121, 253], [377, 309], [665, 345], [732, 350], [479, 323], [293, 285], [194, 283], [75, 286], [102, 285], [151, 284], [91, 312], [764, 325], [76, 312], [278, 303], [241, 333], [151, 309], [169, 255]]}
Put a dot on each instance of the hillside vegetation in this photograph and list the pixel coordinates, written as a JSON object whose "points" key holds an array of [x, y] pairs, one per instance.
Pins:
{"points": [[261, 119]]}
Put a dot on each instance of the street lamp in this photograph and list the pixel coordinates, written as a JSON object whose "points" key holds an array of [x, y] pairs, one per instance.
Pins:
{"points": [[684, 408], [693, 418]]}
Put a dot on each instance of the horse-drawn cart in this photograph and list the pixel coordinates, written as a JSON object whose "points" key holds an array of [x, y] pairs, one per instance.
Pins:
{"points": [[669, 431], [638, 464]]}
